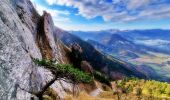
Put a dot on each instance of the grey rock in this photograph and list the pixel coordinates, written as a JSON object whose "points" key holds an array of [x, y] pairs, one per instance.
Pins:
{"points": [[18, 73]]}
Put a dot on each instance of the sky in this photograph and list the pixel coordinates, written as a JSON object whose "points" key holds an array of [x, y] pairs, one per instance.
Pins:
{"points": [[95, 15]]}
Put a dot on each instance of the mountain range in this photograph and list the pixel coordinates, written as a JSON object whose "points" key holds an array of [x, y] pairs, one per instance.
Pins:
{"points": [[148, 50]]}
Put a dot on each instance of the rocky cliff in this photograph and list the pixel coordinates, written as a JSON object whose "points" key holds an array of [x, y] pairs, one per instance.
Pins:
{"points": [[24, 36]]}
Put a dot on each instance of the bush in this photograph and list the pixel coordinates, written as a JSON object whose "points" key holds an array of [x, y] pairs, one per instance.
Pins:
{"points": [[65, 71], [145, 87]]}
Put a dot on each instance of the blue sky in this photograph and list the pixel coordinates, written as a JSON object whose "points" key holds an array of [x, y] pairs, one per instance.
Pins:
{"points": [[93, 15]]}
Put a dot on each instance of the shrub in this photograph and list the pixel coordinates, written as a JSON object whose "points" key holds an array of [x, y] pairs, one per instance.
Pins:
{"points": [[144, 87], [65, 71]]}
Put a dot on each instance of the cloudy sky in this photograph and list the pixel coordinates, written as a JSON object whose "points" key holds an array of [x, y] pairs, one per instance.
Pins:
{"points": [[88, 15]]}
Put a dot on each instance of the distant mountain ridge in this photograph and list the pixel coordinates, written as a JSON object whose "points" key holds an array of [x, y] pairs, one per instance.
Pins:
{"points": [[133, 46], [147, 38]]}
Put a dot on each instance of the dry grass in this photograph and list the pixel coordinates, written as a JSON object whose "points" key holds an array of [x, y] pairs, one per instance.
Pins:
{"points": [[108, 95], [85, 96], [82, 96]]}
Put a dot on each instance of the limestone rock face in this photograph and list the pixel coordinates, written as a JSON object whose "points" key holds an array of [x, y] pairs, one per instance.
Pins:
{"points": [[50, 49], [19, 29], [17, 46]]}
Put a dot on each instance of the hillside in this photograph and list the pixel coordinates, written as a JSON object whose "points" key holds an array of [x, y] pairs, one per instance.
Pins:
{"points": [[131, 89]]}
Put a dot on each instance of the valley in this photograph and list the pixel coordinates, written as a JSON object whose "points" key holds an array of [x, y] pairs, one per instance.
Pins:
{"points": [[149, 56]]}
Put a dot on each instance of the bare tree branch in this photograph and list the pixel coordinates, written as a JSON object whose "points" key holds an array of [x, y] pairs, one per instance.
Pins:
{"points": [[40, 93]]}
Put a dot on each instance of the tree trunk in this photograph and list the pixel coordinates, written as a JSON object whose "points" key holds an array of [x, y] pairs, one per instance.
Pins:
{"points": [[40, 94], [40, 97]]}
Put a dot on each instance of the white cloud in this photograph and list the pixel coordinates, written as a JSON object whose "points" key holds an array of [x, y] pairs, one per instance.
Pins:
{"points": [[162, 11], [53, 12], [51, 1], [57, 15], [156, 42], [133, 4], [32, 0], [87, 8], [118, 10]]}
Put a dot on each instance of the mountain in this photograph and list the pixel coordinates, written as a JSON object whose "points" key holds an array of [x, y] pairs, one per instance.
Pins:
{"points": [[152, 37], [146, 34], [151, 60], [121, 46], [155, 38], [25, 36], [115, 49], [96, 34], [101, 62], [128, 34]]}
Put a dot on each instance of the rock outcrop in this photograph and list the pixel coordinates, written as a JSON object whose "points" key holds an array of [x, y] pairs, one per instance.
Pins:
{"points": [[25, 35], [50, 49], [17, 46], [85, 66]]}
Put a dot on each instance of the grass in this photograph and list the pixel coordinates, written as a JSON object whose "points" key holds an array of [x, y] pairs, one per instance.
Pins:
{"points": [[148, 88], [85, 96]]}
